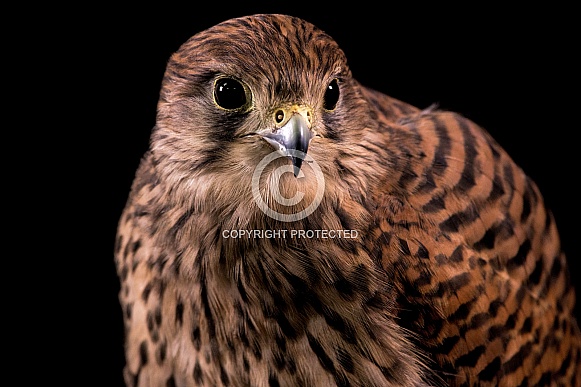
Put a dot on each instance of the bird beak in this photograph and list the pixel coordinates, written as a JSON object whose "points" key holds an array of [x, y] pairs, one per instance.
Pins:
{"points": [[295, 135]]}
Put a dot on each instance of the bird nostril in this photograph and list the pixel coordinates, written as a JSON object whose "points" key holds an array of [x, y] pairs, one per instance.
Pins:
{"points": [[279, 116]]}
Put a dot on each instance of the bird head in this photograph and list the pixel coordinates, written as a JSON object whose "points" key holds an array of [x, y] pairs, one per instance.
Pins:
{"points": [[247, 87]]}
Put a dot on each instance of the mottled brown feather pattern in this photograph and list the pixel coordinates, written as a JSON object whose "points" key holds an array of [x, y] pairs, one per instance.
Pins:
{"points": [[456, 276]]}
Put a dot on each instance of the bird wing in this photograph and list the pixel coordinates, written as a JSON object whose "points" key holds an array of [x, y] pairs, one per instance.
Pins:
{"points": [[472, 251]]}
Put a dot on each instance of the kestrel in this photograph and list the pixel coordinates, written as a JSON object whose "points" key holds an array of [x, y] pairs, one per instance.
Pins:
{"points": [[291, 227]]}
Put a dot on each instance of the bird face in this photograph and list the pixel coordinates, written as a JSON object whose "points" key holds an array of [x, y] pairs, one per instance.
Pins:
{"points": [[231, 97]]}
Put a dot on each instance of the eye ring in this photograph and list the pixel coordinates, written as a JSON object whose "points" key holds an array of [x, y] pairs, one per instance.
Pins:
{"points": [[231, 94], [331, 96]]}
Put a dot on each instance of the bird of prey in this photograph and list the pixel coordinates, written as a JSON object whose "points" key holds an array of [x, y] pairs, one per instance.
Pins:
{"points": [[289, 226]]}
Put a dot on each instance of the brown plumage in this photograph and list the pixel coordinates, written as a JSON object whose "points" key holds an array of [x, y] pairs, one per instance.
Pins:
{"points": [[429, 260]]}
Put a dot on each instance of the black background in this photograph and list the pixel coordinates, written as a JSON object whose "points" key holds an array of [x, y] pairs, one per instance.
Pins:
{"points": [[512, 72]]}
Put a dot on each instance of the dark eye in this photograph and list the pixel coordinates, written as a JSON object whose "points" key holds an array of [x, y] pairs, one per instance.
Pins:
{"points": [[331, 95], [229, 93]]}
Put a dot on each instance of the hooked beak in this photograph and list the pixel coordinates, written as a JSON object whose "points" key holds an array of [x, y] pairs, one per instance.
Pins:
{"points": [[292, 139]]}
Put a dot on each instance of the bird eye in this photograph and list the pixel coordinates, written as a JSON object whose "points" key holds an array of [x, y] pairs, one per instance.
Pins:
{"points": [[229, 93], [331, 95]]}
